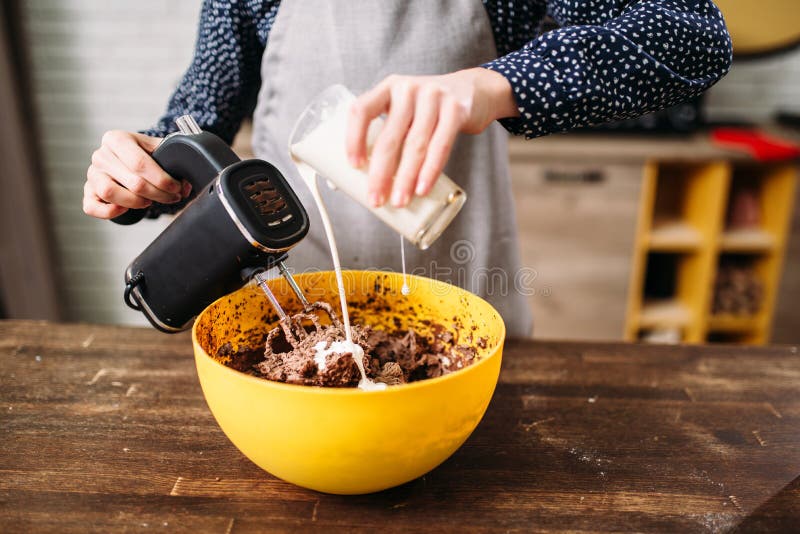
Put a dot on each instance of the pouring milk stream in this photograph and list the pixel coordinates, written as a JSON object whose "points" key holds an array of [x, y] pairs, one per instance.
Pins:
{"points": [[317, 147]]}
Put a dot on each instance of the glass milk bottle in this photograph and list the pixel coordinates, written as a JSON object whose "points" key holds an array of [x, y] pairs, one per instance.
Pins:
{"points": [[318, 140]]}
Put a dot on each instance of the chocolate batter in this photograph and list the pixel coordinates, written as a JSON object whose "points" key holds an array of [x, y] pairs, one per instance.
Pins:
{"points": [[395, 357]]}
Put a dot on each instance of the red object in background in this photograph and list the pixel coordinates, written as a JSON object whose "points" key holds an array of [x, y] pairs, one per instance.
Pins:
{"points": [[761, 146]]}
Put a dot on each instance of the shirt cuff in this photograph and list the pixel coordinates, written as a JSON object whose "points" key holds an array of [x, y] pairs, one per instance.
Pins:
{"points": [[515, 125], [538, 91]]}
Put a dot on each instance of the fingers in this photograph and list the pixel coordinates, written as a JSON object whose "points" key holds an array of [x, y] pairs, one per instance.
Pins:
{"points": [[126, 148], [426, 114], [92, 205], [366, 107], [123, 175], [107, 161], [108, 190], [451, 118], [389, 144]]}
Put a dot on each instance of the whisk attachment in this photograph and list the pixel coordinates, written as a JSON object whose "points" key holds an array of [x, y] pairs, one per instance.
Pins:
{"points": [[292, 325], [308, 307], [261, 280], [290, 280], [327, 309]]}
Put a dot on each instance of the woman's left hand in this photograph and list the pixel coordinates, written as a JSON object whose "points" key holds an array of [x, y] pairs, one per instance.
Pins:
{"points": [[424, 116]]}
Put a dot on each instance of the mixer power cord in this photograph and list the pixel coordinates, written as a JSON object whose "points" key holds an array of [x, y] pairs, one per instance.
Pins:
{"points": [[135, 280]]}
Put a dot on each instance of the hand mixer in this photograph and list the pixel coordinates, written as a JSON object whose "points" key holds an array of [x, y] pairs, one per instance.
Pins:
{"points": [[242, 221]]}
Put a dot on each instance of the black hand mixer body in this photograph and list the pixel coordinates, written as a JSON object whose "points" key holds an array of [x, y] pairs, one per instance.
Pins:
{"points": [[242, 221]]}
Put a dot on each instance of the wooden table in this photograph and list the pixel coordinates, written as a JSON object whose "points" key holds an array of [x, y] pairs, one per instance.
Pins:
{"points": [[105, 429]]}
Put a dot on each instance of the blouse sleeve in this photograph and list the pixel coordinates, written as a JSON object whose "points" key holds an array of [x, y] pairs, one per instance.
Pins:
{"points": [[612, 60], [220, 87]]}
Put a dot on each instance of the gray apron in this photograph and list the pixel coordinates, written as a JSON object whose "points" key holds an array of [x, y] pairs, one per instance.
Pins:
{"points": [[317, 43]]}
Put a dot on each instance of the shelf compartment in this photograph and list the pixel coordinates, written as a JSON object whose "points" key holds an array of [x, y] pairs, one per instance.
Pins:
{"points": [[664, 313], [669, 293], [661, 276], [693, 195], [744, 240], [674, 237], [739, 287], [770, 189]]}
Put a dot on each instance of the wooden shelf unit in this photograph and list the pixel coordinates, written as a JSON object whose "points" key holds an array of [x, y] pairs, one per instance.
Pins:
{"points": [[681, 236]]}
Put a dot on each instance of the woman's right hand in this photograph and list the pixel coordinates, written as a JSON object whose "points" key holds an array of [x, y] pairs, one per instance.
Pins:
{"points": [[122, 175]]}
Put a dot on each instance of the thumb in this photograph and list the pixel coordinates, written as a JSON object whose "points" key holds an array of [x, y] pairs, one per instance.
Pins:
{"points": [[147, 142]]}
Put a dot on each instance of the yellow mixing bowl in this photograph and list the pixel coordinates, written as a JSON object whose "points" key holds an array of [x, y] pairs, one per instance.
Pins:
{"points": [[343, 440]]}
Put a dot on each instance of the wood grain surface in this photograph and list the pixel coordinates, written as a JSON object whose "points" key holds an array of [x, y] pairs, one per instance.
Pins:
{"points": [[104, 429]]}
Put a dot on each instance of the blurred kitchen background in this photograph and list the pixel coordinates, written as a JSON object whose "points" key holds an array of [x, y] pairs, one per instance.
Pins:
{"points": [[664, 230]]}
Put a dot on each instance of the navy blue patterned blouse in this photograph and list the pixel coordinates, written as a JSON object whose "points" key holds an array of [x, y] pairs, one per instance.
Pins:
{"points": [[609, 60]]}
